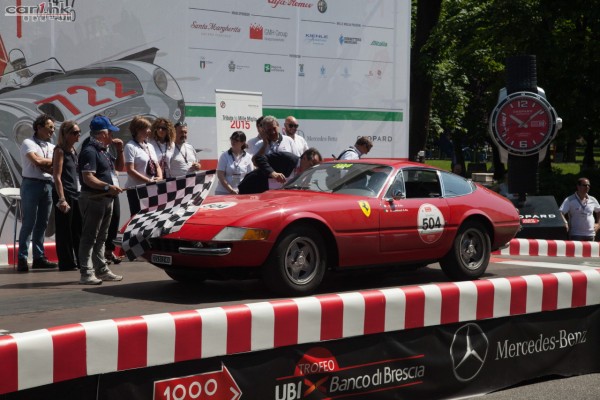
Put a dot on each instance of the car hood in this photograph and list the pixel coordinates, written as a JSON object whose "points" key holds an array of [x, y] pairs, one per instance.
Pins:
{"points": [[246, 210]]}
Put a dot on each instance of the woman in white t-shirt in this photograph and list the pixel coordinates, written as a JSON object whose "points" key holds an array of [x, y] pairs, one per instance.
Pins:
{"points": [[233, 165], [163, 140], [141, 162]]}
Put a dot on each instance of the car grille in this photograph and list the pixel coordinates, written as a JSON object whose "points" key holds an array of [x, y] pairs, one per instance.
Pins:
{"points": [[168, 245]]}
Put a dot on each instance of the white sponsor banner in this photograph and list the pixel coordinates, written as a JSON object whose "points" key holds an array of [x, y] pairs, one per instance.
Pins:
{"points": [[236, 111]]}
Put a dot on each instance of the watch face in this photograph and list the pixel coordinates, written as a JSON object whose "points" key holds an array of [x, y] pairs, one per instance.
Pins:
{"points": [[523, 123]]}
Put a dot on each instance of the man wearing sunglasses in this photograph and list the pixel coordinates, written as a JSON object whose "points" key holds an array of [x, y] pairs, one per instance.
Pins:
{"points": [[581, 213], [290, 127]]}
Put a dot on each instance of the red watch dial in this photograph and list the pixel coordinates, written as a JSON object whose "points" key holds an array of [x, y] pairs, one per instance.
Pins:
{"points": [[523, 123]]}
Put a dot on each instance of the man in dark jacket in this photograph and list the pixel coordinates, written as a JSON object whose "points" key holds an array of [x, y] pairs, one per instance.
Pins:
{"points": [[279, 166]]}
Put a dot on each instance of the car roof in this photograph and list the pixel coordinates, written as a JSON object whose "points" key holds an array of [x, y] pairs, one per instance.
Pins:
{"points": [[388, 161]]}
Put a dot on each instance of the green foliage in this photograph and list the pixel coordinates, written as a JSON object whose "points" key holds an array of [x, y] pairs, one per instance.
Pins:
{"points": [[466, 60]]}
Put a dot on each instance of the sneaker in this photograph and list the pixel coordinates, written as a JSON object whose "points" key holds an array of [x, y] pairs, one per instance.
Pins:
{"points": [[90, 280], [22, 265], [43, 263], [109, 276]]}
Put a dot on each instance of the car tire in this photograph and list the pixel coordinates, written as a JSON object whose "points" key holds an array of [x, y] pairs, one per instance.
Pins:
{"points": [[297, 263], [188, 278], [470, 253]]}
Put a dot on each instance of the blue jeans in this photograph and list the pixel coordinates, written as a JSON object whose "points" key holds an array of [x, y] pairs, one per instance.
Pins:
{"points": [[36, 203]]}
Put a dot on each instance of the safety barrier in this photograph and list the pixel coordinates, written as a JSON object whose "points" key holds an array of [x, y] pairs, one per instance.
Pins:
{"points": [[7, 253], [550, 248], [64, 353]]}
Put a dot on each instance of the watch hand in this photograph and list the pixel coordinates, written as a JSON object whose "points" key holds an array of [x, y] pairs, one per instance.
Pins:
{"points": [[517, 120], [530, 118]]}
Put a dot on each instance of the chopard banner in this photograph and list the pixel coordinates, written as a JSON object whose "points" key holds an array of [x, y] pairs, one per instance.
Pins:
{"points": [[440, 362]]}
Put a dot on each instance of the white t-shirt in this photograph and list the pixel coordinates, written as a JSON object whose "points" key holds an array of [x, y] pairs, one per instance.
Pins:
{"points": [[183, 158], [164, 153], [42, 149], [285, 144], [235, 169], [139, 154], [351, 153], [581, 214], [253, 145], [301, 145]]}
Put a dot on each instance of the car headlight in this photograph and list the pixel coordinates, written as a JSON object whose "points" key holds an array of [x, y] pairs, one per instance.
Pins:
{"points": [[232, 234], [165, 82]]}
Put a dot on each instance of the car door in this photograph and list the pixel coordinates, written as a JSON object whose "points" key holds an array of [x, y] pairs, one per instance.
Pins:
{"points": [[413, 217]]}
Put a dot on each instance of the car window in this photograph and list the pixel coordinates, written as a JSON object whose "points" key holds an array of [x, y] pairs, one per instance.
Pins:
{"points": [[455, 185], [344, 178], [420, 183]]}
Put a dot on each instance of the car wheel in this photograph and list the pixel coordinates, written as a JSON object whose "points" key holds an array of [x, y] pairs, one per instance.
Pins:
{"points": [[470, 253], [297, 262], [186, 277]]}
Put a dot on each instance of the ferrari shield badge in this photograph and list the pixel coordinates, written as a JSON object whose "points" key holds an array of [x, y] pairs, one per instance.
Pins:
{"points": [[365, 207]]}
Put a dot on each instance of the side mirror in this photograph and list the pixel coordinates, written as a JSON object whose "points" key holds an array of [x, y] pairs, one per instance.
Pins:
{"points": [[397, 195]]}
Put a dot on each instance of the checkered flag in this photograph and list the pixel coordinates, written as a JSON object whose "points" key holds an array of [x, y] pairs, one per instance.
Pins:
{"points": [[166, 205]]}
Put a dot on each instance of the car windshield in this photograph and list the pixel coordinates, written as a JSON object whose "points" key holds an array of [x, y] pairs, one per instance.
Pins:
{"points": [[344, 178]]}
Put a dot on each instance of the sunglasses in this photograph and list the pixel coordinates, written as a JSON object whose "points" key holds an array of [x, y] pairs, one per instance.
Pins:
{"points": [[162, 128], [75, 132], [293, 125], [585, 184]]}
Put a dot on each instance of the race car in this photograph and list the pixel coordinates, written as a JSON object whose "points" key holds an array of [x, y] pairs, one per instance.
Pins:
{"points": [[340, 215]]}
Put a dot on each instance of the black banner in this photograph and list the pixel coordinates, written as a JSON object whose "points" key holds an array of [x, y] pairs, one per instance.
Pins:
{"points": [[439, 362]]}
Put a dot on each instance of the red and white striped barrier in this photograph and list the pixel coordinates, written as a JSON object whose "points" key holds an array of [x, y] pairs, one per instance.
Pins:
{"points": [[67, 352], [550, 248], [8, 257]]}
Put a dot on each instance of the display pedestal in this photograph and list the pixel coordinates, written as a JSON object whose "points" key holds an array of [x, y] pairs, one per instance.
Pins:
{"points": [[541, 219]]}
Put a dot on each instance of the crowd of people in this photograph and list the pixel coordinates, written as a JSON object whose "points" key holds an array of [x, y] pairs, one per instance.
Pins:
{"points": [[84, 185]]}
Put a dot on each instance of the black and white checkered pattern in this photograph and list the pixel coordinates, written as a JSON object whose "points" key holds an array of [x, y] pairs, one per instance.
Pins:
{"points": [[166, 205]]}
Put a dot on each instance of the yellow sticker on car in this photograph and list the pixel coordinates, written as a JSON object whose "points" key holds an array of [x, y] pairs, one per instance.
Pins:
{"points": [[365, 207]]}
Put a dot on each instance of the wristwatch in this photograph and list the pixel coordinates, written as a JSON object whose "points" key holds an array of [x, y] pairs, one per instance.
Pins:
{"points": [[106, 188], [523, 123]]}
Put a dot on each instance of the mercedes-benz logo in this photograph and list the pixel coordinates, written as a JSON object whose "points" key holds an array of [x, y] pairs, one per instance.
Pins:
{"points": [[468, 352]]}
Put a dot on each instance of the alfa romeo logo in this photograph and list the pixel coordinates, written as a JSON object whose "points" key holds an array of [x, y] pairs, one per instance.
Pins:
{"points": [[322, 6], [468, 352]]}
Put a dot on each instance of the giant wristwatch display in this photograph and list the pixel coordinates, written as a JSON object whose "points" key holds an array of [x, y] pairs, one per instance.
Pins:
{"points": [[523, 123]]}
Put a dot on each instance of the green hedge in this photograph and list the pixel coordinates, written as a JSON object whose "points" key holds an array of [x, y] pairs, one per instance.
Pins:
{"points": [[560, 186]]}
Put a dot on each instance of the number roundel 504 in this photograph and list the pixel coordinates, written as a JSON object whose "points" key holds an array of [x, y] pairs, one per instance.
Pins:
{"points": [[430, 223]]}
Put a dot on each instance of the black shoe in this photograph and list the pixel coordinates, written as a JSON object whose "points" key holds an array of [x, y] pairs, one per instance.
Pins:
{"points": [[22, 265], [43, 263], [109, 256]]}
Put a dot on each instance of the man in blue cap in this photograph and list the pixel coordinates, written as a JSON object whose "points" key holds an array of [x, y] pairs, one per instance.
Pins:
{"points": [[99, 187]]}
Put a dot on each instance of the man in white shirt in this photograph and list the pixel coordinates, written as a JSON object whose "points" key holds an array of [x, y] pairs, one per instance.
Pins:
{"points": [[252, 144], [36, 193], [582, 212], [272, 139], [184, 159], [290, 127], [362, 146]]}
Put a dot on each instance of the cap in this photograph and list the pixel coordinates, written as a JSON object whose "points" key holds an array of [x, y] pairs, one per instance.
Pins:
{"points": [[180, 123], [101, 122]]}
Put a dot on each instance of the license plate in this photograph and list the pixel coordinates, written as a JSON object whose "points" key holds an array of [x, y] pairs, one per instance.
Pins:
{"points": [[162, 259]]}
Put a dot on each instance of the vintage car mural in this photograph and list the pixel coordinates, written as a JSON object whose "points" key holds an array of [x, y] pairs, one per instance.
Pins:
{"points": [[119, 89]]}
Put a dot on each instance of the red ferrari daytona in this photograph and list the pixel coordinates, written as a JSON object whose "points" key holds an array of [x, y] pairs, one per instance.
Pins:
{"points": [[339, 215]]}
